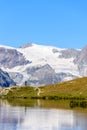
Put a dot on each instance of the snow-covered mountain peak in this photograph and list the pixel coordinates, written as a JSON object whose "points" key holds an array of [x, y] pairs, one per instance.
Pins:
{"points": [[40, 64], [27, 45], [59, 59], [40, 53], [6, 47], [39, 46]]}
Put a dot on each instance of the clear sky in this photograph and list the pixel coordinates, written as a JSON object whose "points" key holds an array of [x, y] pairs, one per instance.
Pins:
{"points": [[61, 23]]}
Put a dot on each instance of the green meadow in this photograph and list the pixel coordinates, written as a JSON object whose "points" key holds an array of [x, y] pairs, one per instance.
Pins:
{"points": [[73, 89]]}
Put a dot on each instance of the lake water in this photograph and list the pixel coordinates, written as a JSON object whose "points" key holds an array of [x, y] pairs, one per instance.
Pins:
{"points": [[41, 118]]}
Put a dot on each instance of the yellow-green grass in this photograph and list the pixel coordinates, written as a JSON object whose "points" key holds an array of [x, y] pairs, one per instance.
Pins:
{"points": [[21, 92], [76, 88], [73, 88]]}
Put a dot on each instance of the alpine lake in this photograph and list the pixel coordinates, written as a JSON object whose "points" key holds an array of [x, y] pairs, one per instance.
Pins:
{"points": [[24, 114]]}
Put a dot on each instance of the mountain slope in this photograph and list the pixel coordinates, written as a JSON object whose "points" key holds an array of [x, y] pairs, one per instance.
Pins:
{"points": [[10, 57], [5, 80], [81, 61], [53, 56], [40, 65], [73, 89]]}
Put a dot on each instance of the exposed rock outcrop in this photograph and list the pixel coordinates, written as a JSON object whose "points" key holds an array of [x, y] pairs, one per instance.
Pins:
{"points": [[5, 80], [81, 61], [10, 58]]}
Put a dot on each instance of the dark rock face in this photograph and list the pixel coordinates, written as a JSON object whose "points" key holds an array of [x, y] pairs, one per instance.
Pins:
{"points": [[45, 75], [17, 77], [81, 61], [10, 58], [41, 75], [69, 53], [62, 76], [27, 45], [5, 80], [55, 50], [82, 57]]}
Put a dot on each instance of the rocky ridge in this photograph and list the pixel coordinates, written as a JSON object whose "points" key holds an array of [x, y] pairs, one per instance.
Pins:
{"points": [[5, 79], [39, 65]]}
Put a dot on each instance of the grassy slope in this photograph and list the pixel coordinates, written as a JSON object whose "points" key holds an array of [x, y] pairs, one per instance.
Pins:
{"points": [[73, 88], [22, 92]]}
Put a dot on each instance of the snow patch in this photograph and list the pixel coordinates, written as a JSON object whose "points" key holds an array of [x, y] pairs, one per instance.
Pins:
{"points": [[6, 47]]}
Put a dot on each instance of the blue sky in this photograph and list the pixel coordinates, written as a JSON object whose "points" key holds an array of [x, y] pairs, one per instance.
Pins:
{"points": [[61, 23]]}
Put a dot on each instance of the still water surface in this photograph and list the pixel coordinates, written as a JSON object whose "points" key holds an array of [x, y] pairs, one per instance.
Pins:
{"points": [[40, 118]]}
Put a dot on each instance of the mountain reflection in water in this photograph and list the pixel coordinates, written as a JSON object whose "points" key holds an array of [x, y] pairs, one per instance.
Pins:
{"points": [[36, 118]]}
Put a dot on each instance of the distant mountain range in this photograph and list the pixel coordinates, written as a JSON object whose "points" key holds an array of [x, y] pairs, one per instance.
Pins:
{"points": [[38, 65]]}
